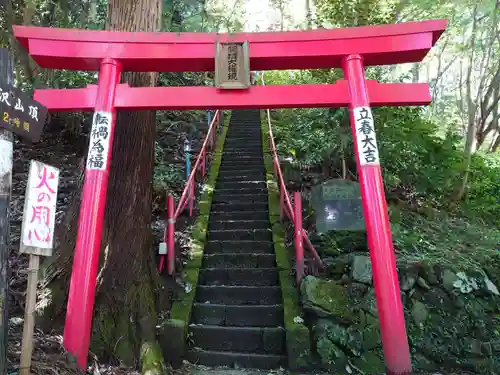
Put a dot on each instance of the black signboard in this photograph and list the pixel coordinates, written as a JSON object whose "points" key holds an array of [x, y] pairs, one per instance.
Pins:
{"points": [[20, 114], [337, 205]]}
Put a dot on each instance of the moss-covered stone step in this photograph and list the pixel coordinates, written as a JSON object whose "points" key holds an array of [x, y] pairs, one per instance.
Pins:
{"points": [[244, 189], [231, 176], [230, 185], [247, 162], [245, 360], [239, 276], [242, 169], [239, 295], [240, 234], [232, 140], [241, 260], [239, 206], [237, 224], [238, 246], [230, 198], [235, 152], [240, 215], [258, 340], [238, 316]]}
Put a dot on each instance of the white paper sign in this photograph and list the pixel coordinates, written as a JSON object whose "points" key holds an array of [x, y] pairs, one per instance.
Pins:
{"points": [[97, 157], [39, 209], [365, 136]]}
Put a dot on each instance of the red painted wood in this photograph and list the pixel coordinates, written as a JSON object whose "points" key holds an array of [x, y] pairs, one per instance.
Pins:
{"points": [[191, 98], [90, 222], [378, 230], [180, 52]]}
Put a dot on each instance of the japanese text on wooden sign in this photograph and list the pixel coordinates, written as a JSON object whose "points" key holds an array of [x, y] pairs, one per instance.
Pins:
{"points": [[365, 136], [37, 233], [97, 158], [232, 66], [19, 113]]}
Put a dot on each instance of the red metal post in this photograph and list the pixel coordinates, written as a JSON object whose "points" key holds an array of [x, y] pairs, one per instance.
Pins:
{"points": [[191, 198], [299, 245], [170, 235], [203, 163], [282, 202], [385, 277], [88, 241]]}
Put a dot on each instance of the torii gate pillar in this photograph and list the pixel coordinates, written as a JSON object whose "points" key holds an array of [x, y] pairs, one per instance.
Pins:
{"points": [[385, 276]]}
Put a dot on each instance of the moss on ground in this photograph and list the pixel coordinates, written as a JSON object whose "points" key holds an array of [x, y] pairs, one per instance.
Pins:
{"points": [[173, 332], [298, 341]]}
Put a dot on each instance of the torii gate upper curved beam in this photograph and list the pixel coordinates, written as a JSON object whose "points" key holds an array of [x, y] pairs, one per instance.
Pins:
{"points": [[181, 52]]}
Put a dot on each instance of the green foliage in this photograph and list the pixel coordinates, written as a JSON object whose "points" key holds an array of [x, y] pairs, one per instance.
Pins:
{"points": [[166, 177], [444, 239]]}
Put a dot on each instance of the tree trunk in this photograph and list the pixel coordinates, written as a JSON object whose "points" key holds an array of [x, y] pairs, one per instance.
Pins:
{"points": [[125, 314]]}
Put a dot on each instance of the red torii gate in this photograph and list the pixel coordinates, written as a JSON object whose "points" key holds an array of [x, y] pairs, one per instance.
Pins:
{"points": [[350, 49]]}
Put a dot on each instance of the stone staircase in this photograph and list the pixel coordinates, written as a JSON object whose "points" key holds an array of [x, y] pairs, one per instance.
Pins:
{"points": [[237, 317]]}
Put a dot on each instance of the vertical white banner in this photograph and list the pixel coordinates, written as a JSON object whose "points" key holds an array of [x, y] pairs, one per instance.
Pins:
{"points": [[39, 215], [97, 157], [366, 139]]}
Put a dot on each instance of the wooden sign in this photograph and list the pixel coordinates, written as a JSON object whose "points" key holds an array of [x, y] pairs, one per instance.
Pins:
{"points": [[37, 238], [232, 66], [20, 114], [337, 205], [37, 235]]}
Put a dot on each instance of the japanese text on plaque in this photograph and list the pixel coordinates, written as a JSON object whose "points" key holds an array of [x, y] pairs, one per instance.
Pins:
{"points": [[232, 62], [40, 206], [97, 157], [365, 136]]}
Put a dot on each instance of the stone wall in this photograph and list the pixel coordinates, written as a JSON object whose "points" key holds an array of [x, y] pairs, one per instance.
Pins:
{"points": [[452, 317]]}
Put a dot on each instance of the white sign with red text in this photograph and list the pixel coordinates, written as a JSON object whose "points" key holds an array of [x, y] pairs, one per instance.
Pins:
{"points": [[37, 234]]}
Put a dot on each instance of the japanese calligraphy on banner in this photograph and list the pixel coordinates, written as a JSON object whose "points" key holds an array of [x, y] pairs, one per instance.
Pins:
{"points": [[365, 136], [97, 157], [20, 114], [37, 235]]}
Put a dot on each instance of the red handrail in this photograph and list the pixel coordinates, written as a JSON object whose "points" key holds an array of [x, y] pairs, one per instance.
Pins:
{"points": [[287, 208], [187, 196]]}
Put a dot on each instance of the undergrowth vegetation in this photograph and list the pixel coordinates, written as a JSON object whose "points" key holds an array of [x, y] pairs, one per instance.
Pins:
{"points": [[422, 168]]}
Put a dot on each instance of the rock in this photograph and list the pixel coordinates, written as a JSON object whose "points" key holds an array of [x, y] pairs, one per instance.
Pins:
{"points": [[362, 269], [346, 338], [465, 284], [490, 287], [356, 290], [332, 357], [336, 267], [422, 283], [428, 273], [371, 333], [370, 302], [438, 298], [326, 299], [408, 277], [419, 312], [421, 362], [370, 363], [448, 278], [344, 280]]}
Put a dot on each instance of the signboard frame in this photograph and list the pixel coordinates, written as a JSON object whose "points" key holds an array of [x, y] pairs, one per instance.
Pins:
{"points": [[222, 66], [320, 203]]}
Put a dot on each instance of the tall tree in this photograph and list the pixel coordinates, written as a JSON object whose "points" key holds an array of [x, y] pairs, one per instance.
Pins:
{"points": [[126, 307]]}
